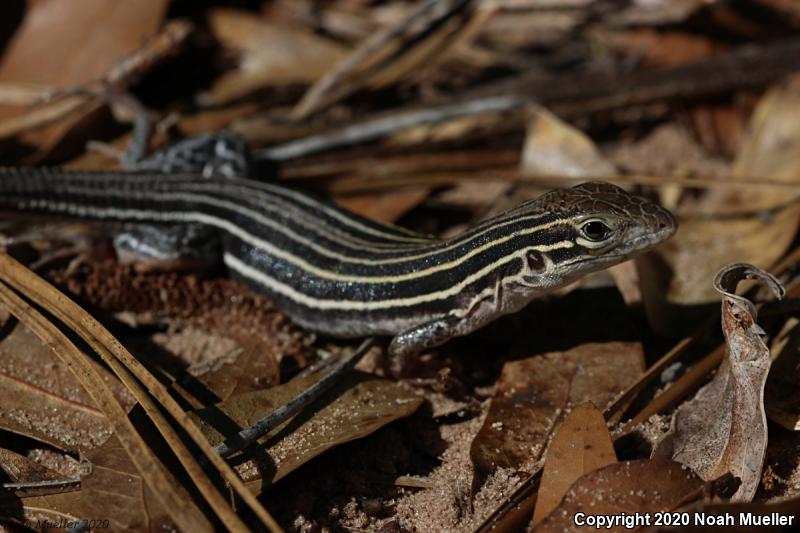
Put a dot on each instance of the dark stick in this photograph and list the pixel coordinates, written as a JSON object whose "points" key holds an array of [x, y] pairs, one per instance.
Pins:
{"points": [[252, 433]]}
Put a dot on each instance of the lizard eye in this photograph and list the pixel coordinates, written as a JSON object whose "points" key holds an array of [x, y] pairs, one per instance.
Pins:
{"points": [[595, 230]]}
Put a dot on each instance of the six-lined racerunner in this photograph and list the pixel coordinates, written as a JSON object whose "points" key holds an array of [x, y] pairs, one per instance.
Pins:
{"points": [[337, 273]]}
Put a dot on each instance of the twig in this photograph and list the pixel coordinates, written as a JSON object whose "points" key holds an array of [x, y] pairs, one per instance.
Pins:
{"points": [[381, 127], [366, 60], [48, 487], [252, 433], [584, 94], [160, 47]]}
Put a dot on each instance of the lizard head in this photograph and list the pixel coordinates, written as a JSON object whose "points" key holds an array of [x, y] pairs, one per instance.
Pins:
{"points": [[594, 225]]}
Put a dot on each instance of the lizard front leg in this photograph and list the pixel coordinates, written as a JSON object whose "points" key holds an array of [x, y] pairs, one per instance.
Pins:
{"points": [[483, 308], [178, 247], [424, 336]]}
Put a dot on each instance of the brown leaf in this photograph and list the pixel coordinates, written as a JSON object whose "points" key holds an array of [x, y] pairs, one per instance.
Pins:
{"points": [[517, 29], [664, 48], [113, 494], [20, 469], [554, 147], [387, 206], [580, 445], [394, 52], [271, 54], [533, 393], [626, 278], [255, 368], [641, 486], [182, 510], [657, 13], [354, 408], [729, 225], [82, 41], [724, 428], [43, 400]]}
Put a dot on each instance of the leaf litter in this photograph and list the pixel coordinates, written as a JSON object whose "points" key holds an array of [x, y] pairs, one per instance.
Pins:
{"points": [[533, 395], [581, 444], [653, 78], [356, 406]]}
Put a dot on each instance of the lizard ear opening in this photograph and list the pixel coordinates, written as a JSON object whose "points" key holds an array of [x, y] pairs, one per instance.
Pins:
{"points": [[536, 261]]}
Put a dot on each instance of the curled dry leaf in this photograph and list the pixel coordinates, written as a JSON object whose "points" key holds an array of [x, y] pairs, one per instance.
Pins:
{"points": [[358, 405], [580, 445], [724, 428], [622, 489], [532, 394]]}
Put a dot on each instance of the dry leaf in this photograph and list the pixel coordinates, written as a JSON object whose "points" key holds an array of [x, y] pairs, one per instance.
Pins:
{"points": [[270, 54], [394, 52], [520, 29], [387, 206], [354, 408], [43, 400], [747, 517], [254, 368], [642, 486], [626, 278], [181, 509], [112, 494], [660, 48], [82, 41], [20, 469], [724, 428], [553, 147], [729, 225], [668, 150], [580, 445], [533, 393], [658, 13]]}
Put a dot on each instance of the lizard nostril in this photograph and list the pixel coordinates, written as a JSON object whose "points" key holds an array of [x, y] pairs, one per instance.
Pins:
{"points": [[666, 220]]}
